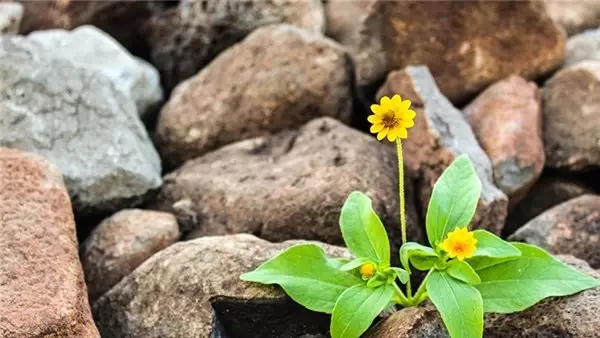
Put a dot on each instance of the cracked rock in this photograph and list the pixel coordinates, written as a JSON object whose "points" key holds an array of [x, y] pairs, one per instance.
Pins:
{"points": [[441, 133], [78, 120], [11, 14], [193, 289]]}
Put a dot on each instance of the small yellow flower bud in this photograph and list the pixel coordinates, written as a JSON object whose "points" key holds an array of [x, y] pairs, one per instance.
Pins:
{"points": [[367, 270]]}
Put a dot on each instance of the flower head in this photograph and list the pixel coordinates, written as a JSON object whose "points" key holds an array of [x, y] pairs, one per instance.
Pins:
{"points": [[460, 243], [391, 118], [367, 270]]}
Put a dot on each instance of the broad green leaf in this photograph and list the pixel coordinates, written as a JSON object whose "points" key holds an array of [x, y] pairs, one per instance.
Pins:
{"points": [[306, 275], [453, 200], [482, 262], [423, 263], [402, 274], [490, 245], [459, 305], [356, 309], [463, 271], [519, 283], [362, 229], [375, 282], [411, 251], [338, 262], [355, 263]]}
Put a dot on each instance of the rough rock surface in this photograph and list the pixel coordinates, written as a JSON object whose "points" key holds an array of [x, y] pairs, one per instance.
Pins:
{"points": [[288, 186], [183, 39], [10, 17], [466, 45], [507, 121], [570, 228], [192, 289], [79, 121], [574, 16], [571, 106], [413, 322], [441, 134], [583, 47], [90, 48], [253, 89], [121, 243], [42, 292]]}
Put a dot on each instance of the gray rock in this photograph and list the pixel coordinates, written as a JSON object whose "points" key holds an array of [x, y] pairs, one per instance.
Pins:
{"points": [[574, 16], [413, 322], [78, 119], [11, 14], [583, 47], [90, 48]]}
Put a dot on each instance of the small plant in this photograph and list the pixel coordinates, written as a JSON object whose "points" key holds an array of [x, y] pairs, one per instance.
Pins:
{"points": [[469, 272]]}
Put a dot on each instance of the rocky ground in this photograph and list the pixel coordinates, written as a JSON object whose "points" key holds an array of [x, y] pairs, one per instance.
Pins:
{"points": [[151, 152]]}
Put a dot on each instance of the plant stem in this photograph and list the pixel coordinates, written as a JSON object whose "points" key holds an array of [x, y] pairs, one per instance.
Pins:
{"points": [[401, 189], [401, 297], [416, 300]]}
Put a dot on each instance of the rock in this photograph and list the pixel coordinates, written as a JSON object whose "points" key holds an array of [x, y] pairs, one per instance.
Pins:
{"points": [[571, 106], [547, 192], [466, 45], [193, 289], [288, 186], [570, 228], [121, 243], [90, 48], [507, 121], [412, 322], [261, 90], [11, 14], [441, 133], [42, 292], [185, 38], [574, 16], [583, 47], [78, 120]]}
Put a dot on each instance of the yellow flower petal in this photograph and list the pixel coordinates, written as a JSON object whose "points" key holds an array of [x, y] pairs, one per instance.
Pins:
{"points": [[382, 134], [391, 136], [374, 119], [385, 101], [459, 243], [376, 128], [376, 109], [396, 100], [405, 105], [410, 114], [408, 124], [402, 132]]}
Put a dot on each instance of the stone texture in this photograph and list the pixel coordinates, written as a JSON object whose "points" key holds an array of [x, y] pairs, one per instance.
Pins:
{"points": [[574, 16], [78, 120], [192, 289], [583, 47], [466, 45], [571, 106], [288, 186], [185, 38], [253, 89], [570, 228], [413, 322], [121, 243], [11, 15], [441, 133], [90, 48], [507, 121], [42, 292]]}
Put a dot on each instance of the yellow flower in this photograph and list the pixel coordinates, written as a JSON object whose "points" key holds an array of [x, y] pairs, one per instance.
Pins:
{"points": [[460, 243], [367, 270], [391, 118]]}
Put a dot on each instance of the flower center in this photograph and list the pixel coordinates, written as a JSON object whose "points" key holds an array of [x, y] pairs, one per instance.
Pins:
{"points": [[390, 120], [459, 247]]}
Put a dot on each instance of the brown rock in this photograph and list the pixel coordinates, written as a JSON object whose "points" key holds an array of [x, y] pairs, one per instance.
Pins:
{"points": [[441, 134], [412, 322], [507, 120], [288, 186], [572, 117], [467, 45], [574, 16], [42, 292], [193, 289], [253, 89], [11, 14], [570, 228], [121, 243]]}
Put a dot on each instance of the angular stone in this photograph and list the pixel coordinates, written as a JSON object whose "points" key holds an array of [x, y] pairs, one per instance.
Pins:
{"points": [[185, 38], [193, 289], [466, 45], [570, 228], [441, 133], [260, 90], [11, 14], [571, 106], [79, 121], [42, 292], [412, 322], [288, 186], [574, 16], [90, 48], [121, 243], [507, 121], [583, 47]]}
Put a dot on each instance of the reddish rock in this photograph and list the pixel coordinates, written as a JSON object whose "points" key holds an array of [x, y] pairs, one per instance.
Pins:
{"points": [[507, 121], [467, 45], [121, 243], [253, 89], [11, 14], [441, 133], [574, 16], [412, 322], [42, 291]]}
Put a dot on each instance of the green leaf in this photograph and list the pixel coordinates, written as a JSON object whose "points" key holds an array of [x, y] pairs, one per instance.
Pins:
{"points": [[482, 262], [417, 254], [459, 304], [375, 282], [463, 272], [490, 245], [356, 309], [519, 283], [453, 200], [355, 263], [362, 229], [402, 274], [306, 275]]}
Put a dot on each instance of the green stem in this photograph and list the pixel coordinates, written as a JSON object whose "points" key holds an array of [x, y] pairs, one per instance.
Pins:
{"points": [[401, 297], [418, 298], [401, 189]]}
